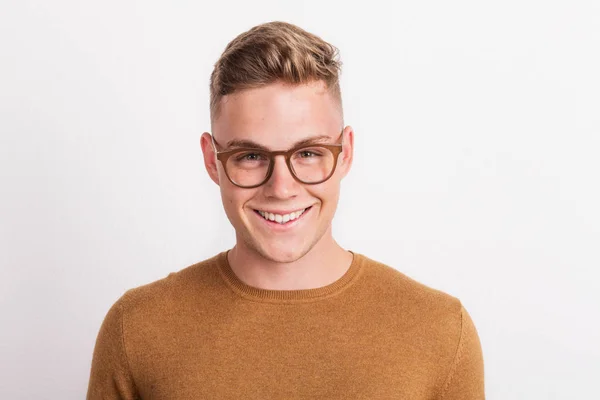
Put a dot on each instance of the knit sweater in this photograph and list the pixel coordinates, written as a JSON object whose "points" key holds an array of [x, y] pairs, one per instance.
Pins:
{"points": [[202, 333]]}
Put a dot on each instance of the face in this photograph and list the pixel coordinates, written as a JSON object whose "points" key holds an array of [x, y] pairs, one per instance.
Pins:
{"points": [[278, 116]]}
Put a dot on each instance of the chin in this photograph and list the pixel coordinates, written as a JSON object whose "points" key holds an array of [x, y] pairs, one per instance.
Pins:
{"points": [[281, 252]]}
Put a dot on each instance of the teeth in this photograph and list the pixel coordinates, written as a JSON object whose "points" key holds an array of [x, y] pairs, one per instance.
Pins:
{"points": [[281, 219]]}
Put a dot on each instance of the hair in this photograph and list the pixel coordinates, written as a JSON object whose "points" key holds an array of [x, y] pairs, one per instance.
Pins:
{"points": [[272, 52]]}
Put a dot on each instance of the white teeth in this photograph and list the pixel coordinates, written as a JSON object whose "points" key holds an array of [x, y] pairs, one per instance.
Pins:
{"points": [[282, 219]]}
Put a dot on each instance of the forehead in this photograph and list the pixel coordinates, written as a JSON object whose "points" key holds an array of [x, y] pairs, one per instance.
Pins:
{"points": [[278, 114]]}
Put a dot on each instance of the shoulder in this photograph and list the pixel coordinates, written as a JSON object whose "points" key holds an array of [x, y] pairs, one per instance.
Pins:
{"points": [[174, 291], [404, 297], [397, 285], [434, 322]]}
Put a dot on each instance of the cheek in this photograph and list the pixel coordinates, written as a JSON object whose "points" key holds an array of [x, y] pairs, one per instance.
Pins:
{"points": [[234, 198], [327, 193]]}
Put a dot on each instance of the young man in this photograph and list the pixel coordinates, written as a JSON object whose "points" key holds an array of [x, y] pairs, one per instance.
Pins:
{"points": [[286, 313]]}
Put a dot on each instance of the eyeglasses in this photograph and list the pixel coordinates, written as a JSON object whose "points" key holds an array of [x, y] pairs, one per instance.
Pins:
{"points": [[248, 167]]}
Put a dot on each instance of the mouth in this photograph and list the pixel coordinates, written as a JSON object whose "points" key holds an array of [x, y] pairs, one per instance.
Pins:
{"points": [[282, 219]]}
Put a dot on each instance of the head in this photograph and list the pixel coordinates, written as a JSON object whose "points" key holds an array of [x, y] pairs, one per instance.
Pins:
{"points": [[274, 86]]}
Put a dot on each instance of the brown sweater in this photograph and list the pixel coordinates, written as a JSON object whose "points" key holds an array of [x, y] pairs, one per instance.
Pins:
{"points": [[201, 333]]}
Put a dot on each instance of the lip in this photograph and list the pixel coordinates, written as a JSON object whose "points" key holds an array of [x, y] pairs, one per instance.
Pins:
{"points": [[282, 227], [281, 212]]}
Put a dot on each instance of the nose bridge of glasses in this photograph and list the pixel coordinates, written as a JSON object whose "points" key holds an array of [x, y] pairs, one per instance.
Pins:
{"points": [[280, 175], [283, 163]]}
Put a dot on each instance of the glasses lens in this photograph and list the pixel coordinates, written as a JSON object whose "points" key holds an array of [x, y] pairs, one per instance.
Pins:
{"points": [[247, 168], [312, 164]]}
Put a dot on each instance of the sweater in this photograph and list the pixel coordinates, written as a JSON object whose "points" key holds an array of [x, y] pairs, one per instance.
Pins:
{"points": [[202, 333]]}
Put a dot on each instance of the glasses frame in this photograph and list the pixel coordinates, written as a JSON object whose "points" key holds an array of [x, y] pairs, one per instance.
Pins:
{"points": [[224, 155]]}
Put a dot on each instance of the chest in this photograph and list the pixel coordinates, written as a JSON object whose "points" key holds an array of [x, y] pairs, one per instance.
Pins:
{"points": [[285, 356]]}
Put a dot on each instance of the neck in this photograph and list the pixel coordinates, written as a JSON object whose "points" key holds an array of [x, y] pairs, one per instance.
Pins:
{"points": [[325, 263]]}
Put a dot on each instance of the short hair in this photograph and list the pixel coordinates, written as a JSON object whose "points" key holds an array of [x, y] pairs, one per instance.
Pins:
{"points": [[272, 52]]}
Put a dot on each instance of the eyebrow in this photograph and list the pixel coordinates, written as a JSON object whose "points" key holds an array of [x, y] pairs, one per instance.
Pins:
{"points": [[253, 145]]}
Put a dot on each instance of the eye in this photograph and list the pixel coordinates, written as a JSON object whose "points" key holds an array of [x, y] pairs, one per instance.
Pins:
{"points": [[248, 156], [308, 153]]}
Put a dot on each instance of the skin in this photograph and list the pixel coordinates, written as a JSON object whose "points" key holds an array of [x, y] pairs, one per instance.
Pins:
{"points": [[277, 116]]}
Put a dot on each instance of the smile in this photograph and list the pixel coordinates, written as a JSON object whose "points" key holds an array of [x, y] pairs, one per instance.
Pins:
{"points": [[282, 218]]}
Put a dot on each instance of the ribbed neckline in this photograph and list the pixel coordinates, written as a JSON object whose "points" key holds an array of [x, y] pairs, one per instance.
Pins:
{"points": [[288, 296]]}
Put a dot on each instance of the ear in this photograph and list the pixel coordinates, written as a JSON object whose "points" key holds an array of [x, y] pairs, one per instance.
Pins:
{"points": [[210, 158], [347, 155]]}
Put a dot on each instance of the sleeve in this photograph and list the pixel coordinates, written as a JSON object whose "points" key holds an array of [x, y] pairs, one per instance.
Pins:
{"points": [[110, 376], [465, 380]]}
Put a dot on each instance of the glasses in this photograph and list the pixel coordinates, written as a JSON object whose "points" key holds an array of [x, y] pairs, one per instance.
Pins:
{"points": [[249, 167]]}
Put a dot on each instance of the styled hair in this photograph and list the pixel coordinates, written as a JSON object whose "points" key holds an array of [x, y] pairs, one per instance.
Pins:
{"points": [[271, 52]]}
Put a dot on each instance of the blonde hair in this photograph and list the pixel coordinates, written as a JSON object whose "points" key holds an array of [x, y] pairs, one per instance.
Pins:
{"points": [[270, 52]]}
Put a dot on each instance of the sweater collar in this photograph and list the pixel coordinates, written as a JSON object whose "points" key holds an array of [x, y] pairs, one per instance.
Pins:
{"points": [[289, 296]]}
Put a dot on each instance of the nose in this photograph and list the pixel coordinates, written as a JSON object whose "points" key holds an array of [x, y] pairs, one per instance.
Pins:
{"points": [[281, 184]]}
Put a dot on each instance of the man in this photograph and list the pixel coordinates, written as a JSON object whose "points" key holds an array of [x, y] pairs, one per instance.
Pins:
{"points": [[286, 313]]}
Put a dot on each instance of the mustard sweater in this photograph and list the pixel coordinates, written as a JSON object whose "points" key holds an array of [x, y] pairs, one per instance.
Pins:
{"points": [[202, 333]]}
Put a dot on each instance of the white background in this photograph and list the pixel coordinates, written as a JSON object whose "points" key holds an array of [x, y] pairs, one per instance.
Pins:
{"points": [[477, 139]]}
